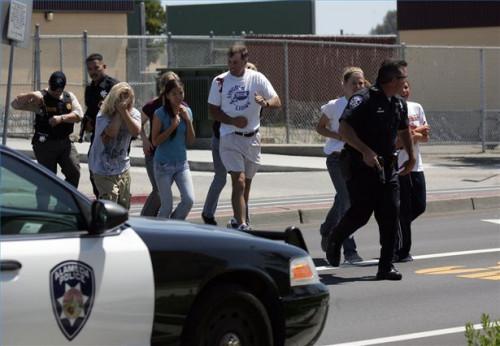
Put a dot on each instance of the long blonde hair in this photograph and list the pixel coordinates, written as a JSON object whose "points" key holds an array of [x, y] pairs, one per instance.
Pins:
{"points": [[109, 104]]}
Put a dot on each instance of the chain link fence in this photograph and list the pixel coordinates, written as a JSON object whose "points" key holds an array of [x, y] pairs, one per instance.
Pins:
{"points": [[457, 86]]}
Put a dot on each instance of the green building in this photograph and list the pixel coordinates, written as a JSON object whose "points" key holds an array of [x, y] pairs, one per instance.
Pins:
{"points": [[292, 17]]}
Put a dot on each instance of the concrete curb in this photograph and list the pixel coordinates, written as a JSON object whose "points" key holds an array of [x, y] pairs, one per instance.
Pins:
{"points": [[486, 203], [303, 216], [433, 207]]}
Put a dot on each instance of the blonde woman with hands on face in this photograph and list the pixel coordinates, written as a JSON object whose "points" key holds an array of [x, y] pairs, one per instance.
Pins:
{"points": [[116, 124], [172, 130]]}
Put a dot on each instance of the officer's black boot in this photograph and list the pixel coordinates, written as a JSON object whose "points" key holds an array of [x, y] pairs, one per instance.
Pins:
{"points": [[333, 252], [389, 274]]}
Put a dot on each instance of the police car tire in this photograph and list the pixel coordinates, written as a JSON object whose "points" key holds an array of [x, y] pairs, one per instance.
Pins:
{"points": [[228, 311]]}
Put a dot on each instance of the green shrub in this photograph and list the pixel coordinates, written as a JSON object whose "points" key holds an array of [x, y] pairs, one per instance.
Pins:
{"points": [[488, 336]]}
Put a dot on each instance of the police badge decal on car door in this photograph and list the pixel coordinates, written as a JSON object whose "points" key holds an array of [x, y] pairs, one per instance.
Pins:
{"points": [[72, 290]]}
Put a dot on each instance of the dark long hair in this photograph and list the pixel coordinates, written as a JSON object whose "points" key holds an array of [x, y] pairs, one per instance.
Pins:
{"points": [[169, 86]]}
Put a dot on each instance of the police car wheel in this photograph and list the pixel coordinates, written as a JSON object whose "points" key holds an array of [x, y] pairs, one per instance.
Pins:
{"points": [[229, 316]]}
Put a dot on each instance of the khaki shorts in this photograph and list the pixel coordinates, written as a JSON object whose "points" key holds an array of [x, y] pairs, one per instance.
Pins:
{"points": [[114, 188], [240, 153]]}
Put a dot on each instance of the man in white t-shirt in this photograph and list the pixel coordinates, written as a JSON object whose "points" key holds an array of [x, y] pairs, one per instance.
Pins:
{"points": [[412, 186], [235, 99]]}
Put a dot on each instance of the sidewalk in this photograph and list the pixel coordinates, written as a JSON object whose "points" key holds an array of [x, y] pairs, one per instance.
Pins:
{"points": [[459, 178], [290, 157]]}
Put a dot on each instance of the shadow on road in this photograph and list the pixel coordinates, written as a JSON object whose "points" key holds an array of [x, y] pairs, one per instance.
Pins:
{"points": [[467, 161], [329, 279]]}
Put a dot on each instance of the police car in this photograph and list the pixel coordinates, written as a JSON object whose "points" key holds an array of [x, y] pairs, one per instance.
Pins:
{"points": [[81, 272]]}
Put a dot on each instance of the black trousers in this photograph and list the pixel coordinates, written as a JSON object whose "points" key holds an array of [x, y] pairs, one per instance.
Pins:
{"points": [[60, 152], [413, 202], [368, 195]]}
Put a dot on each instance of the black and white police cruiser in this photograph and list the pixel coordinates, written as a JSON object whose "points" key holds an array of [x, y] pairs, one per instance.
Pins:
{"points": [[80, 272]]}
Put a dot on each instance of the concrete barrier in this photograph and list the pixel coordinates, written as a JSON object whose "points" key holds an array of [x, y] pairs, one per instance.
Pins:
{"points": [[486, 202]]}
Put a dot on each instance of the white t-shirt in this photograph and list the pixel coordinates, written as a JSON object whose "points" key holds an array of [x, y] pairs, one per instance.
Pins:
{"points": [[236, 97], [416, 117], [333, 110]]}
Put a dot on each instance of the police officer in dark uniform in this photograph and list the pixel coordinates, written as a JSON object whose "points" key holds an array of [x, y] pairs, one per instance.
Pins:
{"points": [[56, 111], [97, 90], [95, 93], [370, 124]]}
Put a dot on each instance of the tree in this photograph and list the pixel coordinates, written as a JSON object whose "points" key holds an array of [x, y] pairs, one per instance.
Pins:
{"points": [[388, 26], [156, 24], [156, 21]]}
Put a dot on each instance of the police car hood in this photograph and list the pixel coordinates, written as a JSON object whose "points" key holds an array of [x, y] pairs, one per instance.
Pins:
{"points": [[161, 229]]}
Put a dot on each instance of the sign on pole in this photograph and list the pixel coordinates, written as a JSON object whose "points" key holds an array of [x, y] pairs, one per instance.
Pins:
{"points": [[17, 20], [16, 31]]}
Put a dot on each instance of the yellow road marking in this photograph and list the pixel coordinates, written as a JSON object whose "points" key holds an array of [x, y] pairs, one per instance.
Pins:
{"points": [[496, 277], [459, 271], [489, 273], [483, 275], [436, 270]]}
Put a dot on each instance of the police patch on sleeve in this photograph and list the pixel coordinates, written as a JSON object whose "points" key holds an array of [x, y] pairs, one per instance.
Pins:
{"points": [[355, 101], [72, 290]]}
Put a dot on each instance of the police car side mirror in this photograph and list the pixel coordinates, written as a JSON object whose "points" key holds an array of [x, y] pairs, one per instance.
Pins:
{"points": [[106, 215]]}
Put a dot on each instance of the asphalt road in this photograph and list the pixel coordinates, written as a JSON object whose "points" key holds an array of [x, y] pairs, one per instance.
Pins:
{"points": [[449, 283], [428, 301]]}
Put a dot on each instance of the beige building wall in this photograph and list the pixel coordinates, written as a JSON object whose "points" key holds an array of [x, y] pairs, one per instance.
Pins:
{"points": [[487, 36], [449, 78], [69, 23]]}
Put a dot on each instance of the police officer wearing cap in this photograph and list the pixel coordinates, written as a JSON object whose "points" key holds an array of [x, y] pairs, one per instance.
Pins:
{"points": [[95, 93], [370, 125], [56, 111]]}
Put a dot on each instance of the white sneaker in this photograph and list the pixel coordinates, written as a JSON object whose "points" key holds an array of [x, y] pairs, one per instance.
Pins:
{"points": [[232, 223], [244, 227]]}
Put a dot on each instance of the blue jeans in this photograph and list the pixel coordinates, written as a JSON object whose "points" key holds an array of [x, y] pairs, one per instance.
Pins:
{"points": [[340, 203], [165, 175], [218, 183], [152, 204]]}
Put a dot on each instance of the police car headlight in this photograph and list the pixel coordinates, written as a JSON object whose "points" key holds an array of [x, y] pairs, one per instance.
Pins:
{"points": [[303, 271]]}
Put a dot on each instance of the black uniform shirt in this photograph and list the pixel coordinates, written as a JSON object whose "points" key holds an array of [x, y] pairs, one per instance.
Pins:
{"points": [[95, 94], [376, 119]]}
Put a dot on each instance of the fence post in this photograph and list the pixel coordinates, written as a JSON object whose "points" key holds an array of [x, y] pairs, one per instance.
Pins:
{"points": [[286, 92], [402, 51], [36, 60], [142, 53], [85, 53], [7, 95], [169, 50], [482, 95], [61, 54], [211, 47]]}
